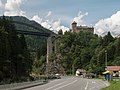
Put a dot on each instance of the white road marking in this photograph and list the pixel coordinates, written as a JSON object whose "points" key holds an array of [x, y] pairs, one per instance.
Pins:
{"points": [[86, 85], [100, 85], [55, 85], [93, 82], [107, 84], [92, 88], [65, 85]]}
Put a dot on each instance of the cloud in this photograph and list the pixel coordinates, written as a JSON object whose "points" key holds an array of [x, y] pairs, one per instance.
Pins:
{"points": [[14, 13], [12, 7], [3, 1], [37, 19], [79, 19], [53, 25], [56, 25], [49, 13], [1, 5], [111, 24], [46, 25]]}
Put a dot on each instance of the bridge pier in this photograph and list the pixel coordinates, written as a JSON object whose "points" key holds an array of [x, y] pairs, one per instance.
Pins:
{"points": [[55, 45], [49, 48], [49, 52]]}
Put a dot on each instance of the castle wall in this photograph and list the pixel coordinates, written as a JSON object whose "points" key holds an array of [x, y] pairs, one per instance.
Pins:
{"points": [[77, 29]]}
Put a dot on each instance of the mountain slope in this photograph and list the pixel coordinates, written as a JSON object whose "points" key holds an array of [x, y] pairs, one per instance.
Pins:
{"points": [[34, 43]]}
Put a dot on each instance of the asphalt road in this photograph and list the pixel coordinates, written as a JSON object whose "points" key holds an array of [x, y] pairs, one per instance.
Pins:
{"points": [[72, 83]]}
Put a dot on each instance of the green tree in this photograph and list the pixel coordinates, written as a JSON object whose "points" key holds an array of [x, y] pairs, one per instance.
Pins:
{"points": [[15, 61], [116, 62], [107, 39]]}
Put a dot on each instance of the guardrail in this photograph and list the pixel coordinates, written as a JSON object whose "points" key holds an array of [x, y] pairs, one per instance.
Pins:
{"points": [[116, 78], [19, 86]]}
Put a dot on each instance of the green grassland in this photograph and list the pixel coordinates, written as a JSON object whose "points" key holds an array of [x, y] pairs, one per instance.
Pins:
{"points": [[114, 85]]}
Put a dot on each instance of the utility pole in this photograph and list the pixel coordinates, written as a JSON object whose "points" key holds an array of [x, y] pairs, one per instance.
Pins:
{"points": [[105, 57], [73, 69]]}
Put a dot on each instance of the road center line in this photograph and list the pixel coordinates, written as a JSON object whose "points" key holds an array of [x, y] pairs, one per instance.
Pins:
{"points": [[66, 85], [86, 85], [55, 85]]}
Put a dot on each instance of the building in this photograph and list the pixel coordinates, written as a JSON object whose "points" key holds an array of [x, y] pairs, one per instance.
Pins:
{"points": [[80, 72], [77, 29], [115, 70]]}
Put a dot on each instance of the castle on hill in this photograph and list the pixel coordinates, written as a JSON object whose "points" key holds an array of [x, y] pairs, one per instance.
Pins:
{"points": [[77, 29]]}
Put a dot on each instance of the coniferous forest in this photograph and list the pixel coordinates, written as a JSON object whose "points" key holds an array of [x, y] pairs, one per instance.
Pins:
{"points": [[15, 60]]}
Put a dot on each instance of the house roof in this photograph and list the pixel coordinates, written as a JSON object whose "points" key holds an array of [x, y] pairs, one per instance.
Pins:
{"points": [[114, 68]]}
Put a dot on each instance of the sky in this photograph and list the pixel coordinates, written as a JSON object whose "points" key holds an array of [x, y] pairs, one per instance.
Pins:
{"points": [[103, 15]]}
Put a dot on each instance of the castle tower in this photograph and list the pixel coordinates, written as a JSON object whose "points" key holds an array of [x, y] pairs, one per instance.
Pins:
{"points": [[74, 26]]}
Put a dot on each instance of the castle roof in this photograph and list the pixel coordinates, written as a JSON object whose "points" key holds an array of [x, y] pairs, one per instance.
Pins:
{"points": [[74, 22]]}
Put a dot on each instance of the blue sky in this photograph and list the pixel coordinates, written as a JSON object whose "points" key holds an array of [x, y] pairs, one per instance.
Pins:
{"points": [[97, 9], [63, 12]]}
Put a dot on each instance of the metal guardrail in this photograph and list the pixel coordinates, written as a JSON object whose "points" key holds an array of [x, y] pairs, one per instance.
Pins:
{"points": [[116, 78], [19, 86]]}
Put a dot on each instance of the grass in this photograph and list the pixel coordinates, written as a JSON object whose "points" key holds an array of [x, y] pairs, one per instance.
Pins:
{"points": [[114, 85]]}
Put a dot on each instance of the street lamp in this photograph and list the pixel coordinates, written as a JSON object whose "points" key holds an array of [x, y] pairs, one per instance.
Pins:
{"points": [[105, 57]]}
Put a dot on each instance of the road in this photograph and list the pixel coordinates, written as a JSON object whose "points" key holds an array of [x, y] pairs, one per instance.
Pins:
{"points": [[72, 83]]}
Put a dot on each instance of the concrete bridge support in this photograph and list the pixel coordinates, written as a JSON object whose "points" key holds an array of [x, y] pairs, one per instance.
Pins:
{"points": [[49, 48], [55, 45], [50, 51]]}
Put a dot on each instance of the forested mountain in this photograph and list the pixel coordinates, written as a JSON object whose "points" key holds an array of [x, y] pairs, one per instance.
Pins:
{"points": [[25, 22], [34, 43], [19, 53]]}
